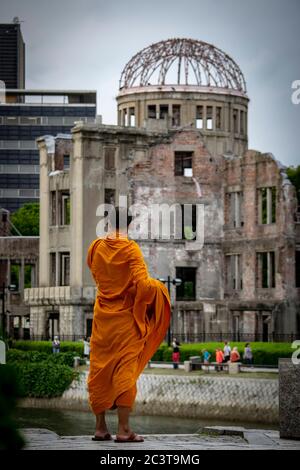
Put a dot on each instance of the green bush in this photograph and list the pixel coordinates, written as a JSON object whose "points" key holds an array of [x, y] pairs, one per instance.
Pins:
{"points": [[46, 346], [158, 356], [40, 372], [63, 358], [43, 380], [14, 355], [263, 353], [17, 355]]}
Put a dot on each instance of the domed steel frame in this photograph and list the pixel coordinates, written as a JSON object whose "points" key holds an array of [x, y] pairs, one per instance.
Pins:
{"points": [[205, 63]]}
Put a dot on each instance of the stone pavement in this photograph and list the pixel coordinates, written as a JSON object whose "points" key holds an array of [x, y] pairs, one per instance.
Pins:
{"points": [[210, 438]]}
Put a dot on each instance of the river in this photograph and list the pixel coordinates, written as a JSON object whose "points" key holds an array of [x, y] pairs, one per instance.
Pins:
{"points": [[76, 423]]}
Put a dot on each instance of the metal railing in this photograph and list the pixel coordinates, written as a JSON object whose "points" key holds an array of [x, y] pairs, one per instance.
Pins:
{"points": [[191, 338], [236, 337], [213, 365]]}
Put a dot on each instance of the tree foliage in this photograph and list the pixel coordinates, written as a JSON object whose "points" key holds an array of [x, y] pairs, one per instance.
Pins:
{"points": [[27, 219], [294, 176]]}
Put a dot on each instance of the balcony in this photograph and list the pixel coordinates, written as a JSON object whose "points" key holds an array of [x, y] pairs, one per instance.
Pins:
{"points": [[59, 295]]}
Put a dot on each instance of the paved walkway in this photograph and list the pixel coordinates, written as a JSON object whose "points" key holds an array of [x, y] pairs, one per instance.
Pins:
{"points": [[211, 438], [166, 365]]}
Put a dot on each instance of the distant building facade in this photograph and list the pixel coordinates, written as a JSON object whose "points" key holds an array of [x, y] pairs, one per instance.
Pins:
{"points": [[19, 270], [175, 144], [26, 115]]}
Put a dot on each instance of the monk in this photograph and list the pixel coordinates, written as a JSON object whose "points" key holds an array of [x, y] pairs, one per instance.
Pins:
{"points": [[131, 318]]}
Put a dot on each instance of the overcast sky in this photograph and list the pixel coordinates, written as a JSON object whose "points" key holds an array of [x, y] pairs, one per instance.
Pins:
{"points": [[85, 45]]}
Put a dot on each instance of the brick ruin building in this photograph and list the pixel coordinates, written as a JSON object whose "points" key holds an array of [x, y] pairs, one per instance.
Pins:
{"points": [[181, 138], [18, 271]]}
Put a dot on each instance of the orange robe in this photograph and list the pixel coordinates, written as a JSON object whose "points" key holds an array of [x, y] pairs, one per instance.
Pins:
{"points": [[131, 318]]}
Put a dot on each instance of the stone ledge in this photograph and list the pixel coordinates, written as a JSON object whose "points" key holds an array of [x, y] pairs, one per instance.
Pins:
{"points": [[60, 295], [224, 439]]}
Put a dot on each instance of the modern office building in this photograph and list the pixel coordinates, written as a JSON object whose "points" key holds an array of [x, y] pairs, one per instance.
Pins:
{"points": [[25, 116], [12, 55]]}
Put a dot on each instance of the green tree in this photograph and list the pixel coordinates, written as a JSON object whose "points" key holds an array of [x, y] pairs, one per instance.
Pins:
{"points": [[294, 176], [27, 219]]}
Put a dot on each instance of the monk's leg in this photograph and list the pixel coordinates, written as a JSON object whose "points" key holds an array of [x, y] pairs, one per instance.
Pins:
{"points": [[125, 403], [101, 427], [123, 416]]}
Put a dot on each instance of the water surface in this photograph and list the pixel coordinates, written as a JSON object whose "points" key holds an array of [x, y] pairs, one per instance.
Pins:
{"points": [[76, 423]]}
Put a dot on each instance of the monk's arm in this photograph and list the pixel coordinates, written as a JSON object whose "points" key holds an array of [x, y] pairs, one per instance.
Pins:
{"points": [[145, 285], [146, 289], [138, 268]]}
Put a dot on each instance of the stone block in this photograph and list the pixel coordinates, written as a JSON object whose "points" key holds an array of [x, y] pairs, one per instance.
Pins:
{"points": [[195, 359], [2, 353], [76, 361], [195, 362], [234, 367], [289, 399], [187, 366]]}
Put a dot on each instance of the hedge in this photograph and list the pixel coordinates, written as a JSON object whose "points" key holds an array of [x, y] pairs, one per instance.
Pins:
{"points": [[41, 381], [46, 346], [17, 355], [41, 373], [159, 355], [263, 353]]}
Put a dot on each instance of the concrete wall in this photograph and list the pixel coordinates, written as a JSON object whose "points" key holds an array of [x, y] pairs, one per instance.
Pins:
{"points": [[19, 251], [223, 398], [217, 140]]}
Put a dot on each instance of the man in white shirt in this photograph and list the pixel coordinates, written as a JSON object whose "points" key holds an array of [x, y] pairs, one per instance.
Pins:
{"points": [[227, 351]]}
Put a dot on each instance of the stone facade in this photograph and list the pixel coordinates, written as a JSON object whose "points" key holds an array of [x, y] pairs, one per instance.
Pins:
{"points": [[241, 283], [19, 266], [289, 401]]}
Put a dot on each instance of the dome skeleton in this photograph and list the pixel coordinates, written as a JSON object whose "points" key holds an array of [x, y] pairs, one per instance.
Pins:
{"points": [[205, 63]]}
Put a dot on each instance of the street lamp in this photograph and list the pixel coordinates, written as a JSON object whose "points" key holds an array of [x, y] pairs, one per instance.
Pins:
{"points": [[176, 282], [11, 288]]}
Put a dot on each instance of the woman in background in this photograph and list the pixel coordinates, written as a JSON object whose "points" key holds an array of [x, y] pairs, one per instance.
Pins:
{"points": [[176, 353], [235, 355]]}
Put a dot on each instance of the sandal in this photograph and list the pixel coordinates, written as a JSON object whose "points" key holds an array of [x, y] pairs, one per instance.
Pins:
{"points": [[133, 437], [105, 437]]}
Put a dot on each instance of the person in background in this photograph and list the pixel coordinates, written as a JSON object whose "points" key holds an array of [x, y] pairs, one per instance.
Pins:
{"points": [[176, 353], [219, 359], [55, 345], [248, 356], [86, 348], [206, 356], [235, 355], [227, 351]]}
